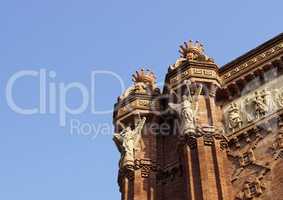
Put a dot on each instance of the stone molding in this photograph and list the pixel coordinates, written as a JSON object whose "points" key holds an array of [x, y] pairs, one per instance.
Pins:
{"points": [[148, 167], [251, 63]]}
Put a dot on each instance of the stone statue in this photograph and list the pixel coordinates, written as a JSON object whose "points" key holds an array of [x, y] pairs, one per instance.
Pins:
{"points": [[234, 117], [279, 97], [187, 110], [268, 99], [127, 143], [261, 103]]}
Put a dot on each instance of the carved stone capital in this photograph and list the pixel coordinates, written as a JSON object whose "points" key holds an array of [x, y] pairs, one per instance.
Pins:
{"points": [[146, 167]]}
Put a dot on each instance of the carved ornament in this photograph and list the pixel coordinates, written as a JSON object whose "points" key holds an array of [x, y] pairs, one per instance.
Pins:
{"points": [[236, 70], [254, 106]]}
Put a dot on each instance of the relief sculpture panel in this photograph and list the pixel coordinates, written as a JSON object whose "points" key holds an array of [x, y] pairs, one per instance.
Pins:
{"points": [[254, 106]]}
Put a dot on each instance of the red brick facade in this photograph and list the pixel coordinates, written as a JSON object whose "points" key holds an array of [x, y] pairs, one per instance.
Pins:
{"points": [[235, 148]]}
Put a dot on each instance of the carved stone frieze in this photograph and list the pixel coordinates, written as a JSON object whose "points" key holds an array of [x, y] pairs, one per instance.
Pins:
{"points": [[254, 106]]}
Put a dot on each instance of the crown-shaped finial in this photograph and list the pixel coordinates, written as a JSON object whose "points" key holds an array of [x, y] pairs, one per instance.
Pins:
{"points": [[144, 83], [193, 51], [144, 76]]}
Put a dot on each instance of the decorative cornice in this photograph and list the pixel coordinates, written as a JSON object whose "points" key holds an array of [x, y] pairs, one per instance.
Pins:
{"points": [[136, 102], [235, 69], [195, 71], [255, 51]]}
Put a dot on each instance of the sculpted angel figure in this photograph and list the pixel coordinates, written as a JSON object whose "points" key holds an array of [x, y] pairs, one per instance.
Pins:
{"points": [[234, 117], [127, 142], [187, 110]]}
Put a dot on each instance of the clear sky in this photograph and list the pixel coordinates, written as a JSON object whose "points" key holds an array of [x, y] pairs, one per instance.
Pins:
{"points": [[39, 159]]}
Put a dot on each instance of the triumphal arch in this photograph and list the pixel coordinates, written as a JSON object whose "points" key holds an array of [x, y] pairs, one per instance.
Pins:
{"points": [[211, 133]]}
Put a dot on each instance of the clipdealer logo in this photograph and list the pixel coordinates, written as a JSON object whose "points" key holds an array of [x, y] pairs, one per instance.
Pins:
{"points": [[53, 94]]}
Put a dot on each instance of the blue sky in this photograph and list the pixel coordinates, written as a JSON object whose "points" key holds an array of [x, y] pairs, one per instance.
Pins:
{"points": [[42, 160]]}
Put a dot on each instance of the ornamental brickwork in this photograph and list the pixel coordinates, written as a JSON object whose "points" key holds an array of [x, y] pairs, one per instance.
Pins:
{"points": [[211, 133]]}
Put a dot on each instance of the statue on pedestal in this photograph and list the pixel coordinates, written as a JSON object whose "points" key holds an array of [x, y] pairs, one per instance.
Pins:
{"points": [[187, 110]]}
